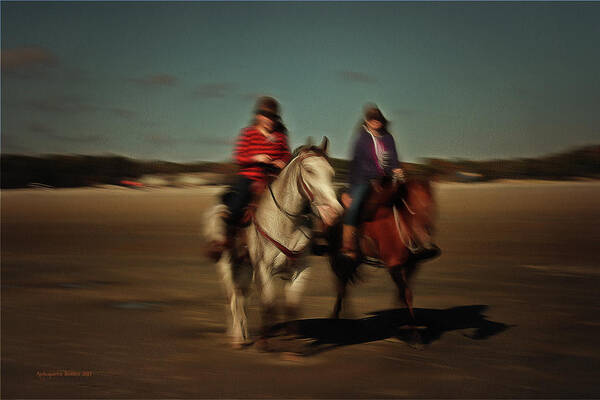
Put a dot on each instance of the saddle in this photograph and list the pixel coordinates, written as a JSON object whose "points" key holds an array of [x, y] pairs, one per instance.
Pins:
{"points": [[235, 237], [383, 191]]}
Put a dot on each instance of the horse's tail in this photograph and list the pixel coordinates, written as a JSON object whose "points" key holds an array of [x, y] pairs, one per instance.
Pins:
{"points": [[214, 228]]}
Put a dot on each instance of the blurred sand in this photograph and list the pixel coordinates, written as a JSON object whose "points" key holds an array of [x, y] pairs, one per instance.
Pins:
{"points": [[113, 282]]}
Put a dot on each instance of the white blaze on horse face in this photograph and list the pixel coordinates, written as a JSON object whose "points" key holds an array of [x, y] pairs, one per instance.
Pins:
{"points": [[319, 178]]}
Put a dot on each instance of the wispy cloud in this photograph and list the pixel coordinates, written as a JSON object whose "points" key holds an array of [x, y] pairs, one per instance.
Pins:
{"points": [[122, 112], [38, 127], [81, 139], [214, 141], [354, 76], [27, 59], [160, 140], [11, 144], [156, 80], [75, 105], [61, 104], [214, 90]]}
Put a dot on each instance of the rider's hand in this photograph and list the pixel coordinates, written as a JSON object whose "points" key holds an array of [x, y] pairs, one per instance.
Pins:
{"points": [[278, 163], [262, 158], [399, 173]]}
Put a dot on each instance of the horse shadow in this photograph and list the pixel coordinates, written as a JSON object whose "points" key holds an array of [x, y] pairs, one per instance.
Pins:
{"points": [[313, 336]]}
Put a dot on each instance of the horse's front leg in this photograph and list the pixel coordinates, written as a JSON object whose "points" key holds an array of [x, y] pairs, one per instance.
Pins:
{"points": [[295, 288], [401, 275], [267, 284]]}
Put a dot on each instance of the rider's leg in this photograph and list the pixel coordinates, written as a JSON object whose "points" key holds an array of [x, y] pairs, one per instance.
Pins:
{"points": [[351, 220], [237, 199]]}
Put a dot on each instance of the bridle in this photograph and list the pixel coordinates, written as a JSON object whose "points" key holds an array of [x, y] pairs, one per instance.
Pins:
{"points": [[306, 193], [302, 187]]}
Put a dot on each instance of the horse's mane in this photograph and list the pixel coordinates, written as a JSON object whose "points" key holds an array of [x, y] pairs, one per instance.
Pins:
{"points": [[309, 149]]}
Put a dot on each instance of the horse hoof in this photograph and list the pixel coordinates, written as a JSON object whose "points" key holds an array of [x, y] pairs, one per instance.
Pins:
{"points": [[292, 357], [262, 345], [240, 345]]}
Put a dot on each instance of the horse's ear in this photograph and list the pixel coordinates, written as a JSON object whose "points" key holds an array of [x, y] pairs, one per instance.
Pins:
{"points": [[324, 144], [309, 141], [297, 151]]}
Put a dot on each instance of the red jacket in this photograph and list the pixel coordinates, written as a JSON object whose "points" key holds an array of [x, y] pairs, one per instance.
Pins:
{"points": [[250, 143]]}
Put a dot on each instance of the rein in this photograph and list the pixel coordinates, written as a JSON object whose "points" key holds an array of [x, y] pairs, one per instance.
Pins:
{"points": [[301, 184]]}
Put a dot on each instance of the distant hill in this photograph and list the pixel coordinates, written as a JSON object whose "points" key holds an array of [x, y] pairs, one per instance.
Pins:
{"points": [[19, 171]]}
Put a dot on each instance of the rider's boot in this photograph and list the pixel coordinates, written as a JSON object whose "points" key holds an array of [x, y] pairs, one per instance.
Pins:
{"points": [[349, 242], [422, 249]]}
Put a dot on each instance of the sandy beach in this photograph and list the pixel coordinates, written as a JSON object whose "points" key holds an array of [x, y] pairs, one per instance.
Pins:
{"points": [[106, 293]]}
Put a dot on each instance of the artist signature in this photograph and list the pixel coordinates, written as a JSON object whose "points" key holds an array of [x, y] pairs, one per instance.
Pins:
{"points": [[63, 372]]}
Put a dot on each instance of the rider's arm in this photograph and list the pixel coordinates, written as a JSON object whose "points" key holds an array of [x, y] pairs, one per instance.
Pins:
{"points": [[243, 153], [284, 154], [394, 159]]}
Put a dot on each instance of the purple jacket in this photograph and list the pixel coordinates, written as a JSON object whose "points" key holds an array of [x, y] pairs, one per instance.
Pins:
{"points": [[364, 165]]}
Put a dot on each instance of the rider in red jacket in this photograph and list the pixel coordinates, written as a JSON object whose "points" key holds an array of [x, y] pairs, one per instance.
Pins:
{"points": [[261, 150]]}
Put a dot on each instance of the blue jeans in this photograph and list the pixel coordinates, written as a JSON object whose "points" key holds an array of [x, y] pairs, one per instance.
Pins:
{"points": [[359, 194], [237, 198]]}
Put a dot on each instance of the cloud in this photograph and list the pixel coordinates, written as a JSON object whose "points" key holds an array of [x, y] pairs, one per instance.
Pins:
{"points": [[353, 76], [160, 140], [214, 141], [12, 144], [122, 112], [37, 127], [75, 105], [27, 59], [77, 138], [214, 90], [156, 80], [61, 104]]}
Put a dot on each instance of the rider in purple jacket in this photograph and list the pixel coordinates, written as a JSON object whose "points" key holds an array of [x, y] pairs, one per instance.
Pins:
{"points": [[374, 156]]}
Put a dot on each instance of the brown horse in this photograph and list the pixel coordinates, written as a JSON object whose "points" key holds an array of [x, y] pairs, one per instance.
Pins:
{"points": [[384, 239]]}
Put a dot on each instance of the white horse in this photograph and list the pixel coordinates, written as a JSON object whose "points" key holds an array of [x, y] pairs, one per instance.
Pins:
{"points": [[276, 239]]}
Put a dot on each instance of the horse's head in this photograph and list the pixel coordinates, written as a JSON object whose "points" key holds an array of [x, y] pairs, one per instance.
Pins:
{"points": [[421, 202], [316, 181]]}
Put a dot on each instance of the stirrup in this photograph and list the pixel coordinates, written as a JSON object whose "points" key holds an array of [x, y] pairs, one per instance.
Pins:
{"points": [[413, 246], [373, 262], [353, 254]]}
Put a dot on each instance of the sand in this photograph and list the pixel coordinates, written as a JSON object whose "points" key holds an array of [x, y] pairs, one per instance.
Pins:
{"points": [[106, 294]]}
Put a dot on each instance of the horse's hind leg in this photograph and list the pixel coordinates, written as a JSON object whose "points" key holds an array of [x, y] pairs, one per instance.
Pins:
{"points": [[345, 272], [339, 301], [236, 279]]}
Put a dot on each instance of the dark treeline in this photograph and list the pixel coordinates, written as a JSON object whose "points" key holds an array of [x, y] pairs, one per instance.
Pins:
{"points": [[20, 171], [583, 162], [77, 170]]}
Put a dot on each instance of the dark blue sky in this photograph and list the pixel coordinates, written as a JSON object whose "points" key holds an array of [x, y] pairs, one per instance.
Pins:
{"points": [[177, 81]]}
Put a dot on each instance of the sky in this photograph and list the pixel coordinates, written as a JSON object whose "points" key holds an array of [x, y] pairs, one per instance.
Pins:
{"points": [[177, 81]]}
